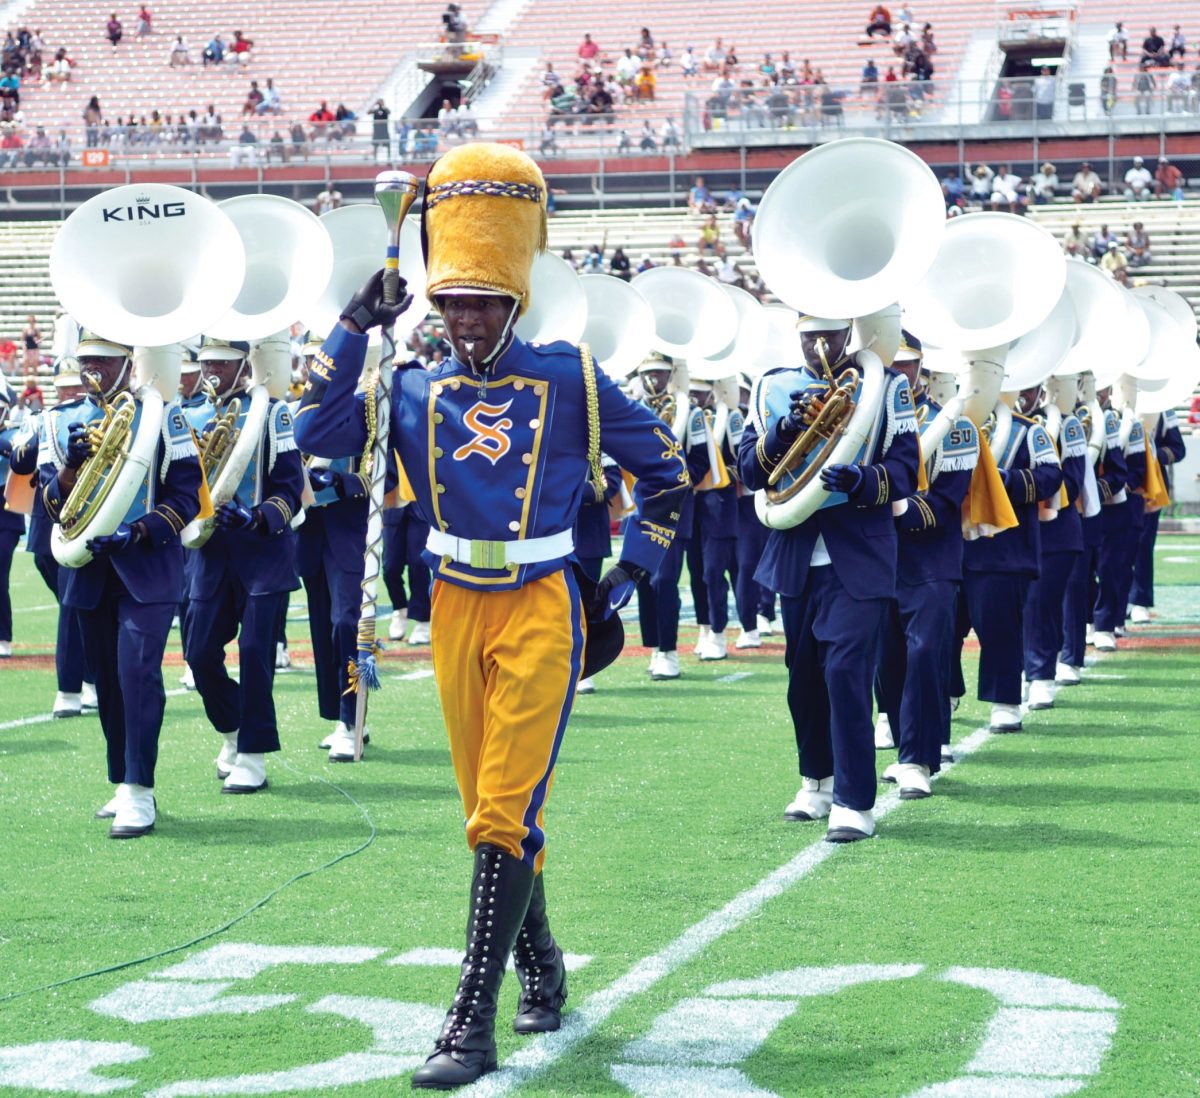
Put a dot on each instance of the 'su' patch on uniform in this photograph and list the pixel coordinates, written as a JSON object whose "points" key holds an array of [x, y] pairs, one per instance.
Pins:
{"points": [[1074, 440], [1137, 439], [1041, 449], [960, 447]]}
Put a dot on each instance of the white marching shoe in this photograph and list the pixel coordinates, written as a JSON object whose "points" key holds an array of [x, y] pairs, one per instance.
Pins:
{"points": [[702, 638], [1139, 615], [1066, 675], [397, 625], [766, 628], [110, 809], [955, 702], [1104, 642], [813, 800], [585, 686], [848, 825], [748, 638], [187, 680], [1089, 636], [884, 740], [1006, 718], [327, 742], [341, 743], [247, 775], [135, 814], [67, 705], [716, 647], [947, 753], [420, 633], [5, 650], [88, 698], [283, 659], [227, 756], [913, 780], [653, 661], [1041, 694], [665, 666]]}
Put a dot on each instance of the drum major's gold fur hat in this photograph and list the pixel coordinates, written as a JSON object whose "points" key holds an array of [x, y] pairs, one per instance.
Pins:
{"points": [[484, 221]]}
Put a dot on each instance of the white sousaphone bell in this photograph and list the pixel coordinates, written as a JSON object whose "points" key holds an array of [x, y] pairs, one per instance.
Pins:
{"points": [[620, 323], [840, 233], [737, 357], [147, 265], [558, 307], [1157, 396]]}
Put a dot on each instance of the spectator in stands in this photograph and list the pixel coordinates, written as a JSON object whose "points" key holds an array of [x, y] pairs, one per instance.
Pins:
{"points": [[767, 69], [241, 48], [1154, 50], [619, 265], [645, 83], [879, 22], [981, 184], [10, 90], [568, 257], [1138, 181], [600, 104], [624, 144], [59, 70], [952, 188], [1108, 89], [549, 143], [31, 337], [455, 28], [328, 199], [1118, 43], [700, 200], [254, 98], [1044, 184], [144, 21], [380, 138], [212, 128], [627, 67], [1137, 246], [214, 52], [113, 31], [1178, 44], [593, 261], [710, 237], [646, 263], [723, 88], [346, 123], [447, 120], [272, 103], [299, 140], [927, 44], [587, 50], [1075, 243], [180, 54], [728, 273], [688, 65], [669, 134], [1086, 186], [1179, 89], [714, 57], [321, 119], [92, 116], [1101, 240], [1113, 258], [868, 83], [647, 143], [902, 41], [1004, 98], [1043, 93], [550, 80], [1168, 180], [1143, 86], [244, 149], [743, 221], [645, 46], [63, 148], [1004, 189]]}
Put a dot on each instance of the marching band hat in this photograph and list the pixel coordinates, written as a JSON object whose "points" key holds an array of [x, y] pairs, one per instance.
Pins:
{"points": [[483, 222], [655, 360], [189, 362], [808, 323], [229, 350], [66, 372], [910, 348], [311, 343], [697, 386], [92, 344]]}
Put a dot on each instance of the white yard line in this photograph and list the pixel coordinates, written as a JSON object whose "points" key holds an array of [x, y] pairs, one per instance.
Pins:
{"points": [[42, 718], [580, 1023]]}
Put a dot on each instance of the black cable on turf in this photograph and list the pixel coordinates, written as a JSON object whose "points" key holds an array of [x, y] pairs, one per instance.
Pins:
{"points": [[237, 918]]}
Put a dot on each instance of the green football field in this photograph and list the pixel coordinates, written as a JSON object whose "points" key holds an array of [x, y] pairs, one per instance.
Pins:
{"points": [[1030, 930]]}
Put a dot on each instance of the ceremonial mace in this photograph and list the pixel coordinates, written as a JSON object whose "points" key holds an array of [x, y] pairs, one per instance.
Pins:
{"points": [[395, 192]]}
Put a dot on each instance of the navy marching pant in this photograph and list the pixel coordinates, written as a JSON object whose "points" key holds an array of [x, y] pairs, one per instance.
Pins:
{"points": [[248, 707], [996, 606], [1114, 569], [334, 600], [750, 597], [126, 640], [1142, 591], [1078, 597], [720, 560], [658, 601], [1045, 608], [913, 673], [592, 567], [403, 543], [962, 626], [8, 546], [830, 657], [694, 551], [70, 659]]}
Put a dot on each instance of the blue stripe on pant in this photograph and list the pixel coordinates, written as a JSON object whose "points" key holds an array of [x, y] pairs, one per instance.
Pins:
{"points": [[70, 659], [1044, 614], [996, 606], [126, 640], [912, 679], [658, 602], [246, 707], [1078, 597], [830, 657], [1142, 591]]}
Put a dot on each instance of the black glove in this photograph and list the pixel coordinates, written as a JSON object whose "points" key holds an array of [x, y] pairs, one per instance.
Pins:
{"points": [[79, 445], [615, 589], [347, 485], [119, 540], [804, 409], [842, 478], [366, 309], [236, 516]]}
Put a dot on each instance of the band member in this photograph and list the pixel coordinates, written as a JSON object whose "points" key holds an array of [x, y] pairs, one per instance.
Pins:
{"points": [[593, 533], [1123, 512], [755, 604], [1170, 450], [241, 578], [998, 570], [834, 573], [330, 546], [12, 524], [1060, 537], [127, 594], [47, 434], [404, 536], [194, 404], [918, 633], [505, 434]]}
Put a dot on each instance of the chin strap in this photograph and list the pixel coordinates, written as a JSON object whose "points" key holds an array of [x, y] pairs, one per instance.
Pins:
{"points": [[481, 368], [117, 383]]}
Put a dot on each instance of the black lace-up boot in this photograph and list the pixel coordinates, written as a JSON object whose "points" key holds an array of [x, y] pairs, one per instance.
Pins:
{"points": [[540, 968], [466, 1047]]}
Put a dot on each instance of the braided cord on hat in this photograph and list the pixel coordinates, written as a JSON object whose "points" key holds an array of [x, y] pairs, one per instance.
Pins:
{"points": [[496, 188]]}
